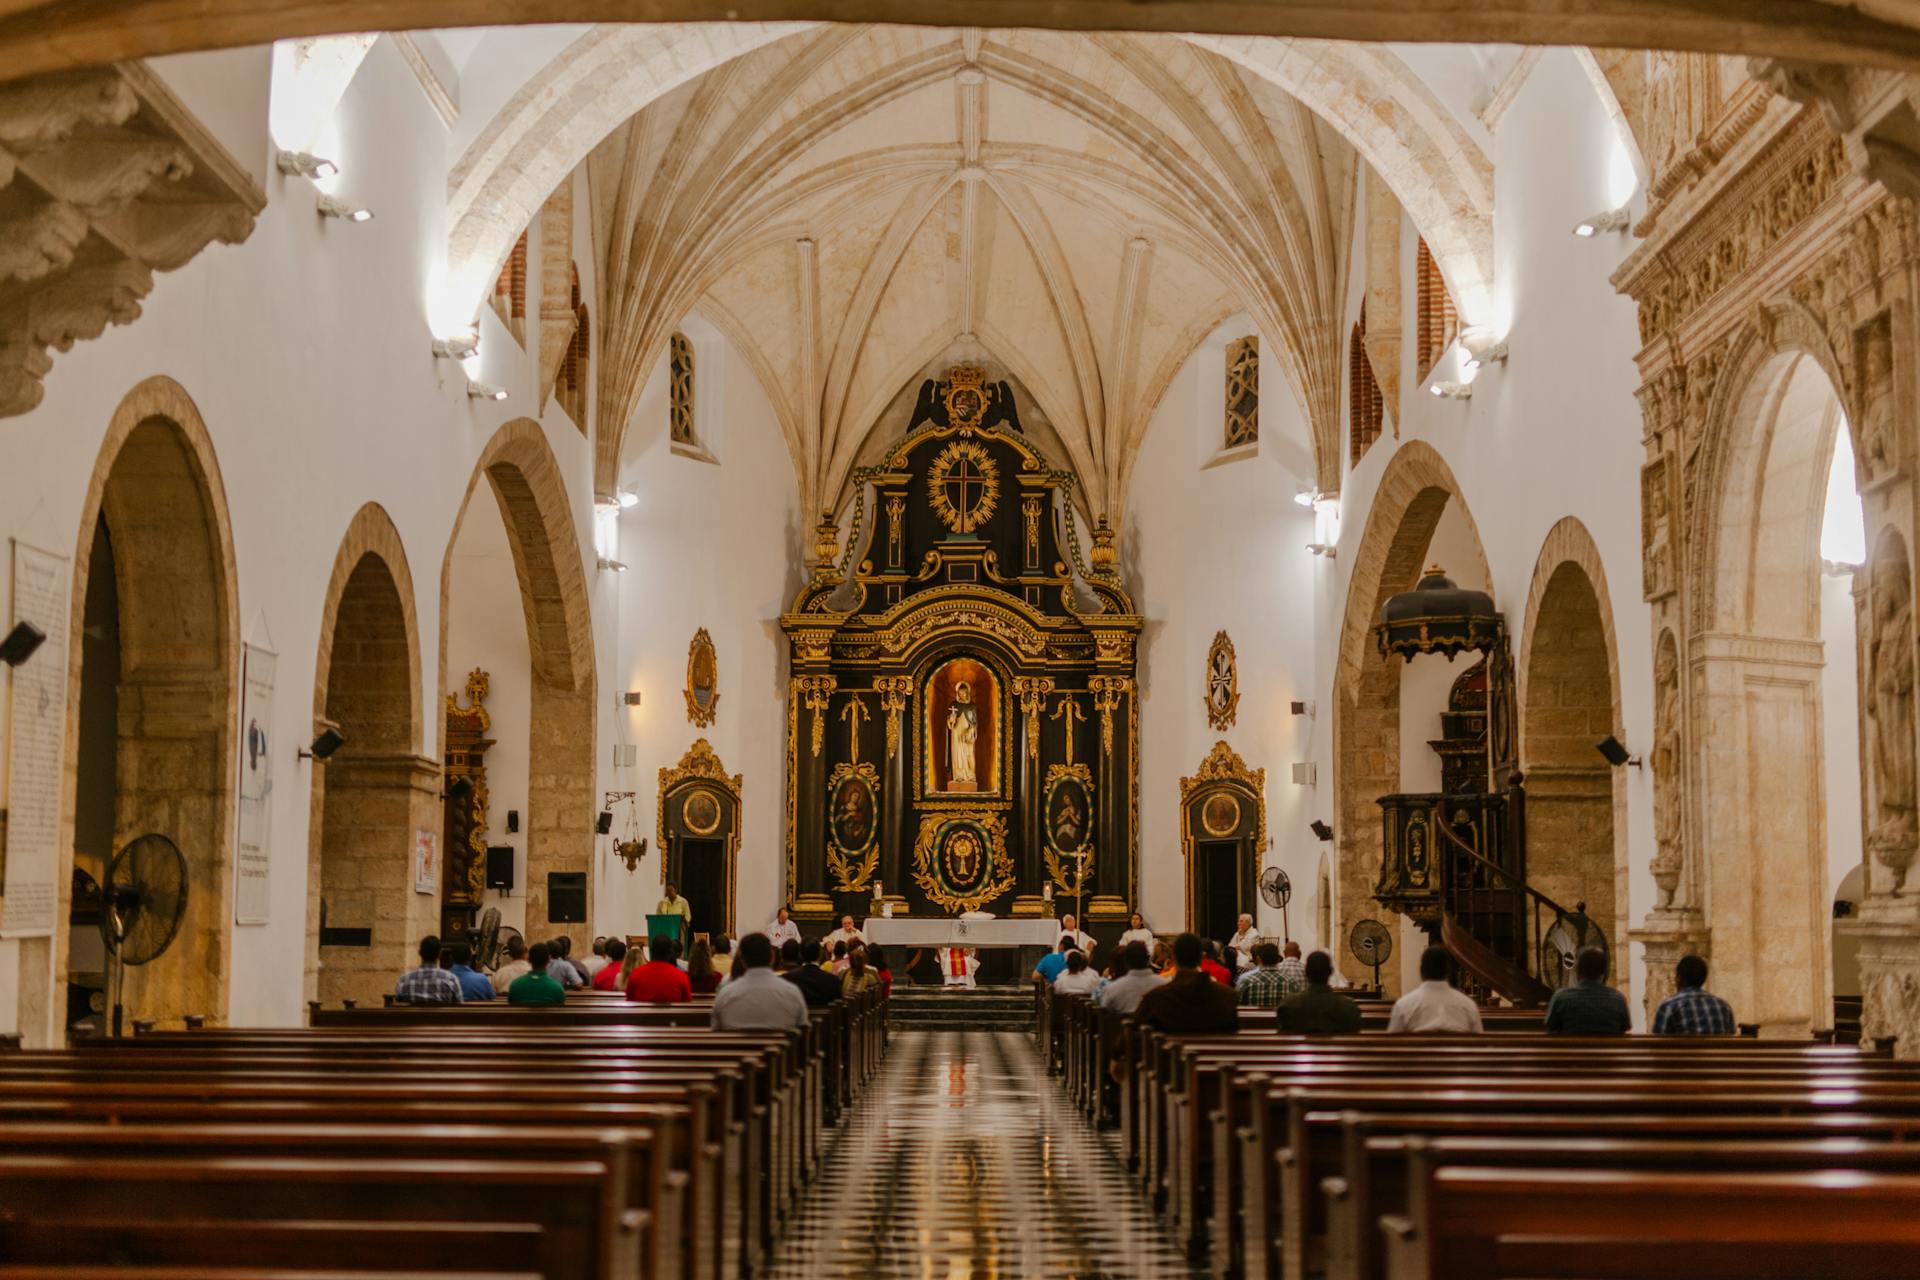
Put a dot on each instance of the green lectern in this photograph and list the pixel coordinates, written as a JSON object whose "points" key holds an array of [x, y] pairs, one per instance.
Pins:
{"points": [[672, 925]]}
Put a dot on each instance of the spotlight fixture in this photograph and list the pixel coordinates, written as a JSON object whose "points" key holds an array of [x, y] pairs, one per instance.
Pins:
{"points": [[1321, 549], [1495, 354], [1610, 220], [1615, 753], [612, 565], [626, 498], [304, 165], [1451, 390], [604, 823], [1306, 498], [459, 347], [1320, 829], [485, 391], [331, 206], [325, 743], [20, 643], [1301, 709]]}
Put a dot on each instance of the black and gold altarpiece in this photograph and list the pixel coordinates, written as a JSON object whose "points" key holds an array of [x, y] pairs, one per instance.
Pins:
{"points": [[962, 719]]}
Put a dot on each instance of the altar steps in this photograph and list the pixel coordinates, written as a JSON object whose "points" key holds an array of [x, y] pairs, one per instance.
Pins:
{"points": [[952, 1009]]}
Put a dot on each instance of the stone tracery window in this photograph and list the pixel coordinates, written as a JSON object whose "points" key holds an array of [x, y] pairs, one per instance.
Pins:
{"points": [[510, 290], [1243, 392], [572, 383], [1438, 324], [680, 388], [1366, 408]]}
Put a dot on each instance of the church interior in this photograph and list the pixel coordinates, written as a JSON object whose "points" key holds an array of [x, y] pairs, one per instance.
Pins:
{"points": [[1382, 478]]}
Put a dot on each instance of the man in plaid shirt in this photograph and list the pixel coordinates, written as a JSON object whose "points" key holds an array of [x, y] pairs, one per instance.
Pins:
{"points": [[429, 984], [1266, 986], [1690, 1011]]}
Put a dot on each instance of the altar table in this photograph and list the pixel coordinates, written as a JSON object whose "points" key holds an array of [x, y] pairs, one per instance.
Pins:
{"points": [[906, 931]]}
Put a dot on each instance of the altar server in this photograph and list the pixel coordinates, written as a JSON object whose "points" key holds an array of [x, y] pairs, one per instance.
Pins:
{"points": [[958, 965]]}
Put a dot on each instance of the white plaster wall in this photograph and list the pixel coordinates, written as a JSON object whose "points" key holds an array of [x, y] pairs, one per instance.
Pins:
{"points": [[1211, 546], [306, 350], [710, 544]]}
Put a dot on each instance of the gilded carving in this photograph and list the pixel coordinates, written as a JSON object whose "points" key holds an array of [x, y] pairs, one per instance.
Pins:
{"points": [[1222, 772], [1068, 821], [1069, 710], [815, 693], [853, 826], [1222, 694], [1032, 692], [1107, 692], [703, 680], [701, 811], [960, 858], [963, 486], [894, 692]]}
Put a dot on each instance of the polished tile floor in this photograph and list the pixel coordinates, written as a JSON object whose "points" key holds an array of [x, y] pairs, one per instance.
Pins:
{"points": [[964, 1162]]}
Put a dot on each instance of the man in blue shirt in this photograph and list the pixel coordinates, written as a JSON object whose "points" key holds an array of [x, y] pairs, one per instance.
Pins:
{"points": [[1690, 1011], [473, 984], [1054, 961]]}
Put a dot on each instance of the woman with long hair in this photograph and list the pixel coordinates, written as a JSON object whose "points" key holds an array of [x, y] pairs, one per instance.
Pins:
{"points": [[858, 979], [700, 971], [1137, 931], [1163, 959], [877, 961]]}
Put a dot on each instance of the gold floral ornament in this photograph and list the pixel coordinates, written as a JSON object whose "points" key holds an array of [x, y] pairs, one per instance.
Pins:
{"points": [[703, 680], [1223, 683], [963, 485], [960, 858]]}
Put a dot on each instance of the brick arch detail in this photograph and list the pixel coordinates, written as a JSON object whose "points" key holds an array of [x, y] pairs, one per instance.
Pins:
{"points": [[1413, 493], [526, 482], [180, 511]]}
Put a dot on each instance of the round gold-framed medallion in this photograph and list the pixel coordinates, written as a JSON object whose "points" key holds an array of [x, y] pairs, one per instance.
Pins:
{"points": [[1220, 813], [700, 811]]}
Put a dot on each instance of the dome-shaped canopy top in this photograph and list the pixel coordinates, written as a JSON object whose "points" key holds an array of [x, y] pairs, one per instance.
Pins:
{"points": [[1438, 616]]}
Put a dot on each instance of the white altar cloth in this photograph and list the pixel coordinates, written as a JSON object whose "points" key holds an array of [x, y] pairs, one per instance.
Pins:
{"points": [[905, 931]]}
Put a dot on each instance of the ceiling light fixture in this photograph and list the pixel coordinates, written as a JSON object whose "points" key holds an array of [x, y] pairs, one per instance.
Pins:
{"points": [[1306, 498], [1452, 390], [486, 391], [626, 498], [301, 164], [461, 346], [334, 207], [1611, 220]]}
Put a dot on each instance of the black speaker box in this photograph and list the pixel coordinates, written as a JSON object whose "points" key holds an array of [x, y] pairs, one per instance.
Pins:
{"points": [[500, 866], [566, 897]]}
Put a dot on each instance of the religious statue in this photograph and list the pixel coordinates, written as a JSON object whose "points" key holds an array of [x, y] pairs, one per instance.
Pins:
{"points": [[1667, 763], [1874, 439], [1895, 832], [963, 730]]}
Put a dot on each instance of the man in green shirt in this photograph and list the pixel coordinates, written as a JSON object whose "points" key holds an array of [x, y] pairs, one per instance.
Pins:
{"points": [[534, 986], [1319, 1010], [1589, 1007]]}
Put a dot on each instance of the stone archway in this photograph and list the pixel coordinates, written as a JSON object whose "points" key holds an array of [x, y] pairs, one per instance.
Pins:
{"points": [[1413, 494], [1569, 688], [157, 501], [519, 469], [377, 792]]}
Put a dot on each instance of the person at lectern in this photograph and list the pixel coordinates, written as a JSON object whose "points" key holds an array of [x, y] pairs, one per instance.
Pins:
{"points": [[675, 905]]}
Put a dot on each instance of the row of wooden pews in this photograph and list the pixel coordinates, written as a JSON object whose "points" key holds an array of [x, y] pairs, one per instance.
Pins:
{"points": [[600, 1139], [1510, 1154]]}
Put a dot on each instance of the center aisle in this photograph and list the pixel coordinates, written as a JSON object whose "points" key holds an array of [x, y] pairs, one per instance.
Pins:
{"points": [[964, 1161]]}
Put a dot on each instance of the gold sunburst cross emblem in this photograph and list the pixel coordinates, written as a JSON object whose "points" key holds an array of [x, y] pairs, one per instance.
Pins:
{"points": [[963, 485]]}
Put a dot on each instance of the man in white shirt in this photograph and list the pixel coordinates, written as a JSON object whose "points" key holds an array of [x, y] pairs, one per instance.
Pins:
{"points": [[783, 930], [1243, 941], [1434, 1005], [1078, 980], [1123, 994], [846, 933], [759, 999], [1071, 927]]}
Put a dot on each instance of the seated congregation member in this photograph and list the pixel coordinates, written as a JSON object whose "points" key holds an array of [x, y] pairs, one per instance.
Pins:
{"points": [[1191, 1002], [473, 984], [759, 999], [1245, 938], [1589, 1007], [1211, 966], [1293, 971], [818, 986], [516, 964], [726, 959], [429, 983], [1263, 986], [1124, 993], [877, 961], [1435, 1005], [782, 931], [659, 980], [608, 979], [838, 966], [859, 977], [1319, 1010], [847, 933], [1690, 1010], [1054, 963], [536, 986], [561, 969], [701, 975], [1163, 959], [593, 964], [1078, 979], [1137, 931]]}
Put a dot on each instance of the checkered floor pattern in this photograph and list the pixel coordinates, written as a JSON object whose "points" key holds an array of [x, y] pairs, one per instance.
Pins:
{"points": [[964, 1162]]}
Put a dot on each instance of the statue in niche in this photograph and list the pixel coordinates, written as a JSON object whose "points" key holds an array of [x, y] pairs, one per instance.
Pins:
{"points": [[963, 731], [1667, 758], [1875, 428], [1894, 832]]}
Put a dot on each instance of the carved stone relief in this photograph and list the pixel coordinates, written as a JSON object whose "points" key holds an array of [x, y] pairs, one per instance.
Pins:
{"points": [[1890, 657], [1669, 767]]}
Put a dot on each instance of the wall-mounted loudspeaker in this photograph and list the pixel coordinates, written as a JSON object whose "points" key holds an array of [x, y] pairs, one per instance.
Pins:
{"points": [[500, 866], [604, 823], [513, 821], [566, 897]]}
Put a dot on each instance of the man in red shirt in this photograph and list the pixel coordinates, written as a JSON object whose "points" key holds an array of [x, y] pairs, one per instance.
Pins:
{"points": [[610, 971], [1211, 966], [659, 980]]}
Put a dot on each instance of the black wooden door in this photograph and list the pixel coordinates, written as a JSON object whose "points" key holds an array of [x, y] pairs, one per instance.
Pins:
{"points": [[703, 870], [1216, 898]]}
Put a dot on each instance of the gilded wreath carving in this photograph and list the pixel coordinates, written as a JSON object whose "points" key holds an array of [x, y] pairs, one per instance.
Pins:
{"points": [[1068, 820], [853, 826], [703, 680], [960, 858], [966, 467]]}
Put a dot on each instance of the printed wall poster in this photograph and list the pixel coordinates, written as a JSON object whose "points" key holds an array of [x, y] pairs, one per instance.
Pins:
{"points": [[252, 855], [36, 734], [426, 861]]}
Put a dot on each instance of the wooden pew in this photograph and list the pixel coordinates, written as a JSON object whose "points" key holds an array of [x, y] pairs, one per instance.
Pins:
{"points": [[210, 1245], [83, 1271]]}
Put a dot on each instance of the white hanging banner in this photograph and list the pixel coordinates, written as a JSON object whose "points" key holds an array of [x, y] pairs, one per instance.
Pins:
{"points": [[252, 852], [36, 743]]}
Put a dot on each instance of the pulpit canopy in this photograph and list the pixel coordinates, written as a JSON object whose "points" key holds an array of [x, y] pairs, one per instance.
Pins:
{"points": [[1439, 616]]}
